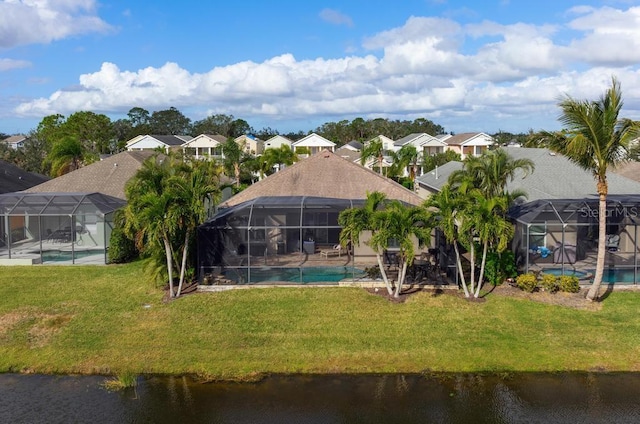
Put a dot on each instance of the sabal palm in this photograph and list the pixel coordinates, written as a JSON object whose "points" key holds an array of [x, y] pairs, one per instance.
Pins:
{"points": [[595, 138]]}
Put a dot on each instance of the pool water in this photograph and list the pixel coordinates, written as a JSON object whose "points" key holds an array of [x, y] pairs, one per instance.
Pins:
{"points": [[295, 275], [573, 272], [65, 256]]}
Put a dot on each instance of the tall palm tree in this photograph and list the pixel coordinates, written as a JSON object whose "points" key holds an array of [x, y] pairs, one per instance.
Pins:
{"points": [[233, 156], [450, 205], [373, 149], [191, 191], [595, 138]]}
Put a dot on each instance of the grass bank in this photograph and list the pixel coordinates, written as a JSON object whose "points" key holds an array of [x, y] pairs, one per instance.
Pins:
{"points": [[110, 320]]}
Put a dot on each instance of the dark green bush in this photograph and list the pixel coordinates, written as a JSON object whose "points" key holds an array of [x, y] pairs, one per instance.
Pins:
{"points": [[499, 267], [549, 282], [527, 282], [569, 284], [121, 248]]}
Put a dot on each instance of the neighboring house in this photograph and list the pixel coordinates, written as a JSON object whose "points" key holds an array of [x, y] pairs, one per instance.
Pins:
{"points": [[108, 176], [277, 141], [14, 178], [69, 219], [630, 169], [387, 143], [423, 142], [154, 142], [205, 146], [348, 153], [473, 143], [556, 225], [250, 144], [15, 141], [314, 143], [353, 145]]}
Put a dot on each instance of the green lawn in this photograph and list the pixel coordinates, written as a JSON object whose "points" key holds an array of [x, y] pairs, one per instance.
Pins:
{"points": [[110, 320]]}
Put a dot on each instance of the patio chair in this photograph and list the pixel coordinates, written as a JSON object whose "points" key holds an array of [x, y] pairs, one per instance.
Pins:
{"points": [[612, 242], [391, 259]]}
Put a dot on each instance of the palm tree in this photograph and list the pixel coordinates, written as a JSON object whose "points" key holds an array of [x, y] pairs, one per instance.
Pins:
{"points": [[66, 155], [406, 157], [190, 191], [492, 171], [355, 221], [233, 156], [450, 206], [405, 225], [595, 138], [373, 149]]}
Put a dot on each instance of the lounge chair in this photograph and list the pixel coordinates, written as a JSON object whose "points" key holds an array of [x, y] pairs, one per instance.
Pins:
{"points": [[334, 251]]}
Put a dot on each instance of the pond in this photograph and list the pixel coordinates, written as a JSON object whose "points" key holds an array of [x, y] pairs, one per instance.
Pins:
{"points": [[508, 398]]}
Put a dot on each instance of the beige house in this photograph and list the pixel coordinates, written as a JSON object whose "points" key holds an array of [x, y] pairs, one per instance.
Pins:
{"points": [[250, 144], [468, 144], [205, 146], [313, 143], [165, 143], [276, 142]]}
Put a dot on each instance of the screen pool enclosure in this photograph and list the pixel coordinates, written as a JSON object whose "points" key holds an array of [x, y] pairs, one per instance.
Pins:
{"points": [[56, 228], [276, 240], [561, 236]]}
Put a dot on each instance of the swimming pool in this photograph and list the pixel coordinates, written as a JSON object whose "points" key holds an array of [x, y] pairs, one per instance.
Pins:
{"points": [[610, 275], [65, 255], [301, 275]]}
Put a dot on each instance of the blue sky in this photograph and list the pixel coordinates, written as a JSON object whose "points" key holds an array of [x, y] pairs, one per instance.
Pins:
{"points": [[485, 65]]}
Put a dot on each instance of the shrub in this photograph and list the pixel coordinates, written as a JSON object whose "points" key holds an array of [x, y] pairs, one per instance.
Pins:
{"points": [[121, 248], [569, 284], [527, 282], [549, 283], [499, 267]]}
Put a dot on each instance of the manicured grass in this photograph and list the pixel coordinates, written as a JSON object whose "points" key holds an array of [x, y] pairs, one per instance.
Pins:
{"points": [[110, 320]]}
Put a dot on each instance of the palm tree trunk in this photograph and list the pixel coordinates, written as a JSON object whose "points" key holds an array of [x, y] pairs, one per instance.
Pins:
{"points": [[384, 274], [401, 277], [183, 266], [484, 261], [594, 290], [380, 159], [167, 251], [460, 271], [236, 170], [472, 259]]}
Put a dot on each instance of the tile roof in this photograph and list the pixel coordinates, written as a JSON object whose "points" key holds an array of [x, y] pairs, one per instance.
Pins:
{"points": [[14, 178], [325, 174], [554, 177], [107, 176]]}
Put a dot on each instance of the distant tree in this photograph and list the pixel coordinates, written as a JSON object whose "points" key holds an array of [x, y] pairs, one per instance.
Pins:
{"points": [[170, 121], [240, 127], [94, 131], [214, 124]]}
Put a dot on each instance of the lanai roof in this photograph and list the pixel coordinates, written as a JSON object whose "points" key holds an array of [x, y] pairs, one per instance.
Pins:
{"points": [[328, 175]]}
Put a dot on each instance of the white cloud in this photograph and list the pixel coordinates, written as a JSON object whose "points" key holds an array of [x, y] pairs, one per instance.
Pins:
{"points": [[433, 67], [7, 64], [335, 17], [42, 21]]}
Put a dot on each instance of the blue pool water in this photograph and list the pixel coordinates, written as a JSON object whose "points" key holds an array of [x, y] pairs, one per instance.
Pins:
{"points": [[294, 275], [558, 272]]}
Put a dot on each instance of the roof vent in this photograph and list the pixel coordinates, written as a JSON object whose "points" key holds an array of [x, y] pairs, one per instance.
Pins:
{"points": [[115, 165], [552, 153]]}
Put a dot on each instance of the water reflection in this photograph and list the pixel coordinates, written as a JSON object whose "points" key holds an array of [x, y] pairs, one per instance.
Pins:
{"points": [[543, 398]]}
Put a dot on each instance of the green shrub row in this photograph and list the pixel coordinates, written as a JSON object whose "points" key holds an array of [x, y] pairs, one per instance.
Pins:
{"points": [[548, 282]]}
